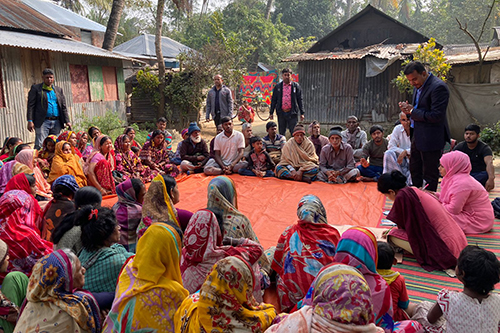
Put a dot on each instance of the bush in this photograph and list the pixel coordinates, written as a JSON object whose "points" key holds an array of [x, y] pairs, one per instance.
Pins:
{"points": [[491, 136]]}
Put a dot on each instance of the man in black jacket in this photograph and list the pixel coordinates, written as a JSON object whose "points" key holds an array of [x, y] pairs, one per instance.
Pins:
{"points": [[431, 132], [287, 101], [47, 112]]}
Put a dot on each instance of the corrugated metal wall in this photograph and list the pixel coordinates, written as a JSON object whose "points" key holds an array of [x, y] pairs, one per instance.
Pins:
{"points": [[336, 89], [17, 84]]}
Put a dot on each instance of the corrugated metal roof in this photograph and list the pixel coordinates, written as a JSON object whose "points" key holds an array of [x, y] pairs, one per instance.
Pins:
{"points": [[29, 41], [452, 49], [14, 15], [63, 16], [472, 57], [386, 51], [145, 45]]}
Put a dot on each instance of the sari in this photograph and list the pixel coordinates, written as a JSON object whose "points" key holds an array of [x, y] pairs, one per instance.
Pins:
{"points": [[9, 170], [149, 289], [27, 157], [225, 302], [20, 218], [341, 301], [53, 304], [12, 296], [79, 143], [104, 166], [46, 155], [358, 248], [203, 248], [128, 214], [64, 136], [222, 195], [302, 250], [157, 207], [129, 165], [66, 164], [158, 158]]}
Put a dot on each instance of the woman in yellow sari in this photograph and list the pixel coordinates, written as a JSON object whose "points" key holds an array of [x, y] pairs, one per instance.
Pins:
{"points": [[66, 163], [225, 302], [149, 289]]}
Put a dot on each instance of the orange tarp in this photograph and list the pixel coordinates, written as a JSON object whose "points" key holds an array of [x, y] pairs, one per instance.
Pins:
{"points": [[271, 204]]}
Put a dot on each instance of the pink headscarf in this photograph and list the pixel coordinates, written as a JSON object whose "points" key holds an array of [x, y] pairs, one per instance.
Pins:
{"points": [[457, 178]]}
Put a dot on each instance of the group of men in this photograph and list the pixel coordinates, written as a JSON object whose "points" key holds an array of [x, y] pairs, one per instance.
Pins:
{"points": [[415, 146]]}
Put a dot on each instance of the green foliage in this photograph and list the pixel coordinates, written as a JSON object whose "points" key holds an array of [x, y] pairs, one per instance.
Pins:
{"points": [[491, 136], [140, 134], [109, 124], [148, 86], [432, 58]]}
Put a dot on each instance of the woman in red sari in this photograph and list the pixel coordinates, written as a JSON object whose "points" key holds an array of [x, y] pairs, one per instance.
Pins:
{"points": [[155, 154], [100, 165], [82, 139], [20, 220], [70, 137], [128, 164]]}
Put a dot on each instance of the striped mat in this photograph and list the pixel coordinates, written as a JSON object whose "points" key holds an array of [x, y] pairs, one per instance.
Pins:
{"points": [[423, 285]]}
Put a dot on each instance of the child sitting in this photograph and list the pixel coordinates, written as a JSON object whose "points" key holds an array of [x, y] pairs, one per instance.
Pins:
{"points": [[260, 163], [474, 309], [400, 300], [136, 150]]}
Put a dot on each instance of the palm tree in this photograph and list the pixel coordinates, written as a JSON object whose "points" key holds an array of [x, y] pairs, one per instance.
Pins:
{"points": [[113, 23]]}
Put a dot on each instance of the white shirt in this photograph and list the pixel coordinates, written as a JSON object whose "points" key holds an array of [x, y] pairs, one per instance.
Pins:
{"points": [[399, 140], [229, 146]]}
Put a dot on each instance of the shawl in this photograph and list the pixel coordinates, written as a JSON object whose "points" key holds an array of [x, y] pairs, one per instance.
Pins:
{"points": [[302, 250], [27, 157], [203, 248], [128, 214], [19, 228], [299, 156], [18, 168], [157, 206], [64, 136], [457, 178], [66, 164], [14, 288], [20, 182], [389, 275], [358, 248], [225, 302], [97, 151], [6, 174], [149, 289], [128, 163], [341, 302], [222, 195], [431, 252], [79, 142], [51, 292]]}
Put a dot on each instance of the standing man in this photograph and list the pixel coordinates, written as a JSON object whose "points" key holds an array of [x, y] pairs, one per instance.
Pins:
{"points": [[354, 136], [431, 132], [219, 101], [287, 101], [47, 113], [480, 155]]}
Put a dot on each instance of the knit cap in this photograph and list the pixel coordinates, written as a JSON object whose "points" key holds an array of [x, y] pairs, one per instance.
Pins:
{"points": [[299, 128], [193, 127]]}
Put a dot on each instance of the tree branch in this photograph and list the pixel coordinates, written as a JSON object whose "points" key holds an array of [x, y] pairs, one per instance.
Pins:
{"points": [[486, 20]]}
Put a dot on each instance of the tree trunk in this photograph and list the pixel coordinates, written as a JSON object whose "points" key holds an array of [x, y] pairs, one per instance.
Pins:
{"points": [[268, 8], [348, 9], [159, 56], [113, 23]]}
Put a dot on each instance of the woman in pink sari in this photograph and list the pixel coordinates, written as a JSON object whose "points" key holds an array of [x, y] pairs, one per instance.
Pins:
{"points": [[100, 165], [463, 196], [28, 158]]}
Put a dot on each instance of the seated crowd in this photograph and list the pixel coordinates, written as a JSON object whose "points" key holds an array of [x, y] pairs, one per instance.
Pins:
{"points": [[67, 264]]}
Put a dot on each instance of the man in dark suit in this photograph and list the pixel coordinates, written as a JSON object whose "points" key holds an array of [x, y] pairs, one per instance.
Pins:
{"points": [[47, 112], [428, 115], [287, 101]]}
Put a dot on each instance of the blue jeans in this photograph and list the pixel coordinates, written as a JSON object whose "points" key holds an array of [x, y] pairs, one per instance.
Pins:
{"points": [[371, 172], [48, 127], [481, 176], [248, 172]]}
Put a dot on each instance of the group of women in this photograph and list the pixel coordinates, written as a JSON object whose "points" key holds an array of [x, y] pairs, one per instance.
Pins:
{"points": [[146, 266]]}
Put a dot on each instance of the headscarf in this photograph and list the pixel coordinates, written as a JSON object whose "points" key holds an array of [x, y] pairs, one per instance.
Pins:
{"points": [[52, 284], [299, 156], [79, 146], [12, 155], [222, 195], [97, 150], [358, 248], [302, 250], [128, 214], [67, 180], [27, 157], [157, 206], [20, 182], [341, 302], [149, 289], [44, 153], [7, 172], [66, 164], [203, 248], [225, 302], [20, 218], [64, 136], [128, 163]]}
